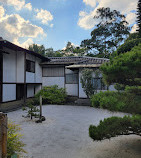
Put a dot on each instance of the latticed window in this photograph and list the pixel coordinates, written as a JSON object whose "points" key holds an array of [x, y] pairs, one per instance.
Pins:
{"points": [[98, 84], [30, 66], [71, 78], [53, 72]]}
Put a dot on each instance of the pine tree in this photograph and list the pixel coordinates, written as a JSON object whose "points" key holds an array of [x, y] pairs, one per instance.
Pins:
{"points": [[139, 17]]}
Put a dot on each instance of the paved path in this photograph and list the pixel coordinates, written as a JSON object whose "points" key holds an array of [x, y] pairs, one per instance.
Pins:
{"points": [[64, 134]]}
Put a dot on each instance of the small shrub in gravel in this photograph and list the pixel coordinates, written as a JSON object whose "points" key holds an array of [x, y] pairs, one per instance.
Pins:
{"points": [[52, 95]]}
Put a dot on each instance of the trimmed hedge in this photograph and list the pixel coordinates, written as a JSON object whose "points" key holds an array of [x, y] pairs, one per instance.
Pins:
{"points": [[115, 126], [117, 101]]}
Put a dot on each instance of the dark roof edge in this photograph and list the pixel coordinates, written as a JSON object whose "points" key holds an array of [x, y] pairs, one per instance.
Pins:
{"points": [[12, 46]]}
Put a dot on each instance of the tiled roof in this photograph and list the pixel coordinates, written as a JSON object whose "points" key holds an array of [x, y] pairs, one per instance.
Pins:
{"points": [[7, 44], [75, 60]]}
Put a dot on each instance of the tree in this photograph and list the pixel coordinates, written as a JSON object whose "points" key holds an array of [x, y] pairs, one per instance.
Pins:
{"points": [[131, 41], [78, 51], [139, 17], [89, 87], [109, 33], [123, 69], [127, 65], [38, 49]]}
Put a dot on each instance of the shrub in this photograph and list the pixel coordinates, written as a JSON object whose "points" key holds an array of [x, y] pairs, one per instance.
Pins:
{"points": [[31, 108], [133, 89], [14, 144], [52, 95], [117, 101], [114, 126]]}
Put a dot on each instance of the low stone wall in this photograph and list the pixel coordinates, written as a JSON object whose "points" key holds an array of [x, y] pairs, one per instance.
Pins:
{"points": [[83, 102]]}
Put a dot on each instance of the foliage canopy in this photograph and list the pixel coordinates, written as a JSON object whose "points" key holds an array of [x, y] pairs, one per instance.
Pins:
{"points": [[109, 32], [124, 69]]}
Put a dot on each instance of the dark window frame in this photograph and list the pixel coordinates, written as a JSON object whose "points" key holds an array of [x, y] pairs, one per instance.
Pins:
{"points": [[102, 85], [21, 87], [74, 81], [30, 66]]}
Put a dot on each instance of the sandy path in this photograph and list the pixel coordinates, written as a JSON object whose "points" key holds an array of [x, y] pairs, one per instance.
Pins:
{"points": [[64, 134]]}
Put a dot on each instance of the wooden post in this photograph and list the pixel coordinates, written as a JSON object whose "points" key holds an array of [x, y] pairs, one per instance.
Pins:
{"points": [[3, 135], [40, 107]]}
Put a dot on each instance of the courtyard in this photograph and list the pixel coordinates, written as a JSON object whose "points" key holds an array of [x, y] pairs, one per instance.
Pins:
{"points": [[64, 134]]}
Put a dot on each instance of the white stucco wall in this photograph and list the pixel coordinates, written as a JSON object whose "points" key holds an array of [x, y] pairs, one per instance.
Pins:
{"points": [[37, 76], [9, 92], [38, 71], [9, 66], [30, 77], [72, 89], [20, 67], [49, 81], [30, 91]]}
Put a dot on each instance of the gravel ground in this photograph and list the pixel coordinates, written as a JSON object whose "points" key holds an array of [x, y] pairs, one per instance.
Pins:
{"points": [[64, 134]]}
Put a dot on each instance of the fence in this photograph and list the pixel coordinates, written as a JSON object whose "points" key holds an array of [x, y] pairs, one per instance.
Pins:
{"points": [[3, 135]]}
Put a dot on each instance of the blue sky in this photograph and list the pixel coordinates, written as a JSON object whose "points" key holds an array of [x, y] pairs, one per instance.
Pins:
{"points": [[55, 22]]}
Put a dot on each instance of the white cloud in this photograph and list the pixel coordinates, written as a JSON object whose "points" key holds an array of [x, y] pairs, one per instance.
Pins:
{"points": [[83, 13], [86, 20], [51, 25], [36, 10], [17, 4], [131, 18], [13, 27], [25, 44], [2, 11], [92, 3], [134, 28], [28, 6], [44, 15]]}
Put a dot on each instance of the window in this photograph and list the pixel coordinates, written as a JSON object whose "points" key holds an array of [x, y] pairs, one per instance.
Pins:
{"points": [[19, 91], [98, 84], [71, 78], [30, 66], [53, 72]]}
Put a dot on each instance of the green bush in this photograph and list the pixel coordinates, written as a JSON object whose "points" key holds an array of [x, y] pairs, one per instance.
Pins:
{"points": [[14, 144], [117, 101], [52, 95], [133, 89], [115, 126]]}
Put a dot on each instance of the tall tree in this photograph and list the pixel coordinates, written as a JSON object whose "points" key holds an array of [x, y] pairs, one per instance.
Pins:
{"points": [[110, 32], [139, 17], [38, 49]]}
